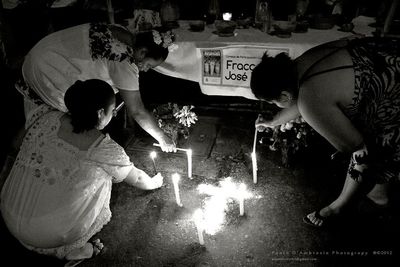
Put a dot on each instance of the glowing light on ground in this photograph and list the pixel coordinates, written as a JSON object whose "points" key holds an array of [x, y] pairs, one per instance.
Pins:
{"points": [[216, 205]]}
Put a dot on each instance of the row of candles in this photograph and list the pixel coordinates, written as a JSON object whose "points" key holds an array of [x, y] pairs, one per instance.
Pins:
{"points": [[198, 214]]}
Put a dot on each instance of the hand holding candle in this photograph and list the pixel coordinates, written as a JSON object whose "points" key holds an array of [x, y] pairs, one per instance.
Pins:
{"points": [[199, 221], [177, 148], [175, 181], [189, 153]]}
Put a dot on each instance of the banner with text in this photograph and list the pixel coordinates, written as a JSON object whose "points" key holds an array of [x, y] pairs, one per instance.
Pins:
{"points": [[231, 67]]}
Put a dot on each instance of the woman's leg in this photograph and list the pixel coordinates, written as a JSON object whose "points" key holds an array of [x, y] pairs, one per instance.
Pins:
{"points": [[349, 191]]}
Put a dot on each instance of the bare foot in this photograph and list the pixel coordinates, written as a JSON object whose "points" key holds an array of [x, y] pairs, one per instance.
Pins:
{"points": [[84, 252], [89, 250]]}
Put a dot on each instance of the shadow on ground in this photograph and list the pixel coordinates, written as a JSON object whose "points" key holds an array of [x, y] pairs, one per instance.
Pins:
{"points": [[149, 229]]}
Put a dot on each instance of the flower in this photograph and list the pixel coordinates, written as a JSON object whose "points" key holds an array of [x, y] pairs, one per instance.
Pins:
{"points": [[157, 37], [172, 47], [118, 48], [165, 39], [175, 120], [289, 138], [186, 116]]}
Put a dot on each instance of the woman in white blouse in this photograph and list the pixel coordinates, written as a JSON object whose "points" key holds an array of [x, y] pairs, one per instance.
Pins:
{"points": [[57, 194], [96, 51]]}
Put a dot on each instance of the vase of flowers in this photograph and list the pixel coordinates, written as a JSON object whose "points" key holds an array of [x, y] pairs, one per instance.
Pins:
{"points": [[175, 120], [288, 138]]}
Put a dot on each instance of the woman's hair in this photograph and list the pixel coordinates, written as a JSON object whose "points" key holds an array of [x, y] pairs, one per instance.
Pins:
{"points": [[148, 40], [83, 100], [274, 75]]}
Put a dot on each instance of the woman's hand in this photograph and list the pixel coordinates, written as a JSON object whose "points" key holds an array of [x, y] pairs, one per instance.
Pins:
{"points": [[142, 180], [158, 180], [261, 124], [167, 145]]}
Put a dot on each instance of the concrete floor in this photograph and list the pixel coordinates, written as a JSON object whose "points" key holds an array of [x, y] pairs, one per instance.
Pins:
{"points": [[147, 228]]}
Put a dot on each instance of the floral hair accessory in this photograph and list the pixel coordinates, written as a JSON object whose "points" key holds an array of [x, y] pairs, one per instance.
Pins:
{"points": [[172, 47], [165, 39], [157, 37]]}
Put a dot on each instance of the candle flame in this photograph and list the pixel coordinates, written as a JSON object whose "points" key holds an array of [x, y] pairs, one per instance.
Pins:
{"points": [[175, 178], [153, 154], [227, 16]]}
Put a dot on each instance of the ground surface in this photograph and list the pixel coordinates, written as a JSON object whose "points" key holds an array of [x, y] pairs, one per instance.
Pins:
{"points": [[149, 229]]}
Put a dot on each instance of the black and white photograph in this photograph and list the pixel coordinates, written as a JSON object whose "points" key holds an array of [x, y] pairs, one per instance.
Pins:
{"points": [[195, 133]]}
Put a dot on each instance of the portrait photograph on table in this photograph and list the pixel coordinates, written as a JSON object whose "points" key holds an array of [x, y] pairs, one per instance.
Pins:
{"points": [[200, 133]]}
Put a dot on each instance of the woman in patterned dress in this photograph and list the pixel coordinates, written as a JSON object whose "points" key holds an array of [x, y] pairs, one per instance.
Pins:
{"points": [[57, 194], [349, 92], [96, 51]]}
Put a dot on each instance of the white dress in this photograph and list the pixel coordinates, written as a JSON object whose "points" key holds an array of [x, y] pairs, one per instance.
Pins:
{"points": [[82, 52], [56, 196]]}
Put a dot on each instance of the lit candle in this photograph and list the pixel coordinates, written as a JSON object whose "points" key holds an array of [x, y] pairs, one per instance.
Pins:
{"points": [[189, 160], [227, 16], [254, 161], [242, 191], [175, 181], [255, 141], [198, 219], [153, 155], [254, 157], [177, 148]]}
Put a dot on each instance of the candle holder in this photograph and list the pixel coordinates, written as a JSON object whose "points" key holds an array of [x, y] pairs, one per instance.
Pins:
{"points": [[283, 28], [196, 25], [243, 23], [170, 14], [225, 28]]}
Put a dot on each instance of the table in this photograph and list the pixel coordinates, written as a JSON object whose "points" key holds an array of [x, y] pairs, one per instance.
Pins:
{"points": [[222, 65]]}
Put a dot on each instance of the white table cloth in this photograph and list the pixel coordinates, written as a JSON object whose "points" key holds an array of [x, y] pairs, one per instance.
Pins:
{"points": [[213, 61]]}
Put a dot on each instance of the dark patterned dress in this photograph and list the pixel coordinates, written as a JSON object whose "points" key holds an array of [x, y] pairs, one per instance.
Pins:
{"points": [[375, 110]]}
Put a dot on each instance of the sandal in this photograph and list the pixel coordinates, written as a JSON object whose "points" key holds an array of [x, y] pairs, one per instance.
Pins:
{"points": [[97, 249], [324, 221]]}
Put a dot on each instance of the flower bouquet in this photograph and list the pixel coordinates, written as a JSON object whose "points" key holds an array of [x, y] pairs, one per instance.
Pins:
{"points": [[289, 138], [174, 120]]}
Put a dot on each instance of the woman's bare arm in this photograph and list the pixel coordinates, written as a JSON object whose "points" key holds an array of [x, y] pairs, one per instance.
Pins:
{"points": [[145, 119], [283, 116], [140, 179]]}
